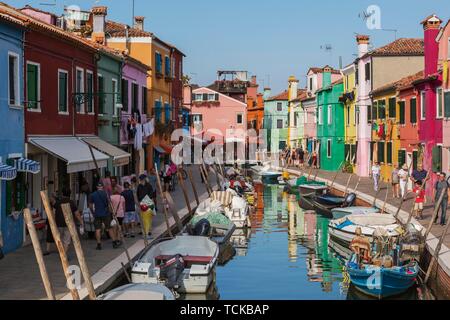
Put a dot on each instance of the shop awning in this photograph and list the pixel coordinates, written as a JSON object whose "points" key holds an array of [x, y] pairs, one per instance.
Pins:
{"points": [[119, 156], [7, 172], [71, 150], [26, 165]]}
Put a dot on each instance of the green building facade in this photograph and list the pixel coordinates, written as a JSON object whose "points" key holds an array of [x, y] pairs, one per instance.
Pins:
{"points": [[276, 121]]}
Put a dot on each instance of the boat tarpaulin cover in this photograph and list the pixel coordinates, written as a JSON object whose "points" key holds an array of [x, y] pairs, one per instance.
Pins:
{"points": [[71, 150], [119, 156], [373, 219]]}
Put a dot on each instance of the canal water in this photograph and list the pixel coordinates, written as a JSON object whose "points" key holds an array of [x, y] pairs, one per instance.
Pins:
{"points": [[285, 256]]}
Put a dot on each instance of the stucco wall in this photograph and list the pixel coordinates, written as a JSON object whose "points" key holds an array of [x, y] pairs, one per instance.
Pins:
{"points": [[389, 69]]}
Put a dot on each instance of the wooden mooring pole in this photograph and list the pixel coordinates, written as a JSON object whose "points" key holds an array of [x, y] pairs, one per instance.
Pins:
{"points": [[435, 257], [435, 213], [38, 252], [164, 199], [194, 188]]}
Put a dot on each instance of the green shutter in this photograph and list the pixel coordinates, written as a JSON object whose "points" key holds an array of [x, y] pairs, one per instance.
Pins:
{"points": [[389, 153], [437, 159], [392, 108], [415, 159], [375, 110], [381, 157], [401, 157], [447, 104], [32, 86], [382, 109], [63, 92], [125, 94], [369, 114], [401, 110], [413, 110]]}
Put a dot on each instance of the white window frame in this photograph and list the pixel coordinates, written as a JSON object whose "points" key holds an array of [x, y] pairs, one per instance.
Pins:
{"points": [[194, 121], [115, 84], [320, 115], [99, 75], [213, 97], [329, 114], [439, 100], [80, 90], [242, 118], [65, 113], [93, 90], [17, 91], [38, 65], [329, 153], [280, 104], [423, 97]]}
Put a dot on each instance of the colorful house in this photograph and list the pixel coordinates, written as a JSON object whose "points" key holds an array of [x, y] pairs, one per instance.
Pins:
{"points": [[295, 131], [12, 183], [430, 102], [276, 121], [375, 69], [255, 112], [330, 123], [351, 117], [444, 58]]}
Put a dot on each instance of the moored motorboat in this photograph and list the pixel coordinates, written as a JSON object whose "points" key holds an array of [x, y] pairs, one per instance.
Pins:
{"points": [[324, 204], [139, 291], [339, 213], [185, 264]]}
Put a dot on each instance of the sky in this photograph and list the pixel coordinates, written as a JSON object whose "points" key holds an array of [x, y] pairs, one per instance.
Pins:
{"points": [[272, 39]]}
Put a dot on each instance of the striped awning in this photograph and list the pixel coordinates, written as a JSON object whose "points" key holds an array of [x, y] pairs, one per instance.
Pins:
{"points": [[26, 165], [7, 172]]}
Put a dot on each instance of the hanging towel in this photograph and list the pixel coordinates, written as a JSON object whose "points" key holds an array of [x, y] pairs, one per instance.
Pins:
{"points": [[138, 137]]}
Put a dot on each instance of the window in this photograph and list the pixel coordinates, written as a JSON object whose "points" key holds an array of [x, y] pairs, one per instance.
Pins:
{"points": [[319, 109], [144, 99], [125, 95], [382, 109], [381, 158], [415, 159], [423, 106], [279, 106], [62, 91], [79, 88], [279, 124], [439, 103], [413, 110], [239, 118], [437, 158], [447, 103], [347, 152], [401, 111], [389, 152], [90, 92], [158, 62], [212, 97], [167, 66], [33, 86], [401, 157], [392, 107], [167, 114], [329, 148], [205, 97], [375, 110], [330, 114], [158, 111], [357, 76], [13, 80], [198, 97], [114, 96], [367, 71], [295, 119], [134, 97], [197, 118], [101, 94], [369, 114], [311, 84], [348, 116]]}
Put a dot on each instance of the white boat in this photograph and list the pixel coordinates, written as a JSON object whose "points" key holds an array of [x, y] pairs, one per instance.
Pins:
{"points": [[339, 213], [139, 291], [343, 230], [198, 257]]}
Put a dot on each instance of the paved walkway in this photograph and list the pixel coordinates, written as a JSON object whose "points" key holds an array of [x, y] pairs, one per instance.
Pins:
{"points": [[366, 187], [19, 273]]}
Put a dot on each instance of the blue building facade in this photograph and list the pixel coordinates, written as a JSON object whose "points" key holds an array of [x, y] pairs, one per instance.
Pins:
{"points": [[12, 183]]}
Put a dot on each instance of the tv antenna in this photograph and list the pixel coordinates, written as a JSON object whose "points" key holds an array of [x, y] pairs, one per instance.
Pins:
{"points": [[365, 15], [327, 47]]}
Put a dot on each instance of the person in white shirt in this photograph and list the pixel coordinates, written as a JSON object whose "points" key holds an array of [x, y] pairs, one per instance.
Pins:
{"points": [[376, 170], [403, 175]]}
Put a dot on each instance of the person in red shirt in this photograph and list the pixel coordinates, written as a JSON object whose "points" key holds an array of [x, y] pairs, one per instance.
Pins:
{"points": [[420, 199]]}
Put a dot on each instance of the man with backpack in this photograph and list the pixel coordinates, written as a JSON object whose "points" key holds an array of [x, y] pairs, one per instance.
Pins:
{"points": [[440, 187]]}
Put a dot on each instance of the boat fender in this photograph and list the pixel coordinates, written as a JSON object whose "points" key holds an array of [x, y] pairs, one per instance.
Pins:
{"points": [[349, 200], [202, 228]]}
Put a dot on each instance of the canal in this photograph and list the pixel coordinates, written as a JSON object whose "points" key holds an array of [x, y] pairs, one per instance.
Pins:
{"points": [[285, 256]]}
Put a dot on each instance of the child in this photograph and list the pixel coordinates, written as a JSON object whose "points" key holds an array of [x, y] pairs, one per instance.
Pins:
{"points": [[420, 199]]}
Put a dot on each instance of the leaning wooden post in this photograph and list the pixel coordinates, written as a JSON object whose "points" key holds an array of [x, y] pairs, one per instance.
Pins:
{"points": [[348, 184], [335, 176], [166, 218], [436, 253], [205, 179], [68, 216], [183, 188], [385, 200], [59, 244], [435, 213], [172, 208], [38, 252], [194, 188]]}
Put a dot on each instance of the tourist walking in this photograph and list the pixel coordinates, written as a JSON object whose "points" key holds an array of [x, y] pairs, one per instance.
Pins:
{"points": [[144, 190], [420, 199], [118, 206], [314, 160], [301, 156], [152, 179], [115, 185], [83, 208], [440, 187], [106, 181], [395, 180], [403, 177], [376, 171], [130, 219], [420, 174], [99, 206]]}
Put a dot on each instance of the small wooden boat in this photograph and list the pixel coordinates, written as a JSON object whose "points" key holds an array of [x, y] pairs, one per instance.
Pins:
{"points": [[307, 187], [382, 282], [327, 202], [339, 213], [185, 264], [139, 291], [343, 230]]}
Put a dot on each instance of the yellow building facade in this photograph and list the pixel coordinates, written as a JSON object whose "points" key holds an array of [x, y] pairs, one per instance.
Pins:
{"points": [[351, 117]]}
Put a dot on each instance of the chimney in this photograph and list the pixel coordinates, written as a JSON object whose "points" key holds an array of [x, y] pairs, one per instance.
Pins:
{"points": [[139, 23], [267, 93], [99, 21], [363, 44], [326, 76], [431, 26], [253, 81], [293, 87]]}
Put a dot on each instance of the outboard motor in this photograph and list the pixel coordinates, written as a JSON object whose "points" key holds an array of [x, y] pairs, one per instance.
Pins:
{"points": [[171, 271], [202, 228], [349, 200]]}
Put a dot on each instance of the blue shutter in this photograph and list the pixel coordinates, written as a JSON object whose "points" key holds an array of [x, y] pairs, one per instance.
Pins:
{"points": [[167, 113], [167, 66], [158, 111]]}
